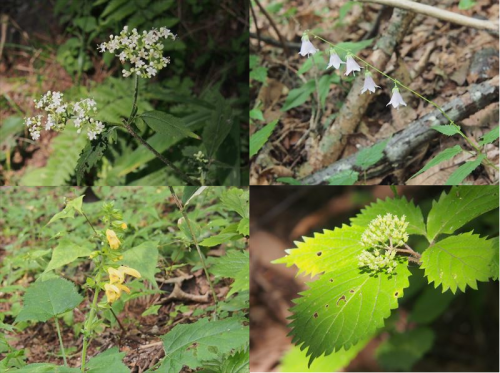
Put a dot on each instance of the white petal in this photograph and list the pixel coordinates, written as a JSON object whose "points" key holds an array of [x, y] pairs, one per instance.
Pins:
{"points": [[307, 48], [351, 66]]}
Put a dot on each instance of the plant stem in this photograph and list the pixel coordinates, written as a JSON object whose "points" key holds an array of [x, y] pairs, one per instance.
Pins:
{"points": [[394, 191], [128, 126], [90, 319], [61, 342], [91, 226], [118, 320], [195, 240], [318, 113]]}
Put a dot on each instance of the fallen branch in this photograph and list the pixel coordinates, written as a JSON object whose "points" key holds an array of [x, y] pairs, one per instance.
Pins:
{"points": [[179, 294], [442, 14], [399, 148]]}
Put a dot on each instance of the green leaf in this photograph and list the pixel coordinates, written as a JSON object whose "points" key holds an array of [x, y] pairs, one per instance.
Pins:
{"points": [[490, 137], [367, 157], [66, 252], [235, 264], [353, 47], [466, 4], [324, 87], [448, 130], [87, 24], [458, 261], [191, 344], [10, 127], [167, 124], [153, 310], [441, 157], [259, 138], [288, 180], [229, 233], [188, 192], [430, 305], [218, 127], [259, 74], [108, 361], [396, 206], [72, 206], [316, 59], [402, 350], [296, 360], [346, 177], [461, 205], [257, 115], [44, 300], [298, 96], [344, 9], [244, 227], [45, 368], [494, 261], [143, 258], [236, 199], [463, 171]]}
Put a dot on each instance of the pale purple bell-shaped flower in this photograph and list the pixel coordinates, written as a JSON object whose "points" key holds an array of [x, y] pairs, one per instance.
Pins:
{"points": [[335, 60], [351, 65], [369, 84], [396, 98], [307, 48]]}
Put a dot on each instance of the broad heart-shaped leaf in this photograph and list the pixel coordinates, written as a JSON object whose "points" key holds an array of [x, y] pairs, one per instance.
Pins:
{"points": [[235, 264], [167, 124], [458, 207], [143, 258], [108, 361], [75, 205], [45, 368], [66, 252], [44, 300], [191, 344], [326, 251], [345, 306], [458, 261], [396, 206]]}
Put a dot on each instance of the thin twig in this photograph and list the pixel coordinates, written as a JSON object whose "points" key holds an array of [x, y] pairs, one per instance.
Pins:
{"points": [[273, 25], [257, 30]]}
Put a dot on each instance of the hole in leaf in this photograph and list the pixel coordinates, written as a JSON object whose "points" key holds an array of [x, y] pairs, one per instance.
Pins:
{"points": [[351, 291], [331, 280], [341, 298], [315, 315], [396, 293], [327, 306], [319, 253]]}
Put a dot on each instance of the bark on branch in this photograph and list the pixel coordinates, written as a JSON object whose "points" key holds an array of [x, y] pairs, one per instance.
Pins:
{"points": [[401, 145]]}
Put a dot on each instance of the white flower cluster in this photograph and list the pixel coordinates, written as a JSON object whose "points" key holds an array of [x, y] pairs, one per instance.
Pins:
{"points": [[388, 231], [200, 157], [377, 261], [307, 49], [59, 113], [84, 111], [144, 51]]}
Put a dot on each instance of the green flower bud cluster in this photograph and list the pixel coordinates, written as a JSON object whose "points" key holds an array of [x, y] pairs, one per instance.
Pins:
{"points": [[386, 231], [377, 261]]}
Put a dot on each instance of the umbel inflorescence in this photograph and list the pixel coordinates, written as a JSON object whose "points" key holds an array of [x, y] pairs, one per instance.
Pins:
{"points": [[307, 49], [382, 238]]}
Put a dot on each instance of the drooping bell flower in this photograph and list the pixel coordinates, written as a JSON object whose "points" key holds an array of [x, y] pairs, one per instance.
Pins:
{"points": [[335, 60], [307, 48], [369, 84], [351, 65], [396, 98]]}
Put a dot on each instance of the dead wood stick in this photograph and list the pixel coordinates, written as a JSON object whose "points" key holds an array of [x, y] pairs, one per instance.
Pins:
{"points": [[442, 14], [399, 148], [334, 139]]}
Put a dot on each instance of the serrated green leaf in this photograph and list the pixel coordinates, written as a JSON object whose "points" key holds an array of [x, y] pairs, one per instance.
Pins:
{"points": [[259, 138], [44, 300], [218, 127], [191, 344], [229, 233], [448, 130], [236, 199], [45, 368], [402, 350], [108, 361], [235, 264], [92, 153], [430, 305], [369, 156], [66, 252], [72, 206], [494, 260], [458, 261], [167, 124], [396, 206], [490, 137], [143, 258], [461, 205], [463, 171], [441, 157], [244, 227], [346, 177]]}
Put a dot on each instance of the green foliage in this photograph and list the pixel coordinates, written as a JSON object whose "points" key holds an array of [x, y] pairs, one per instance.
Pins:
{"points": [[234, 264], [108, 361], [466, 4], [167, 124], [458, 261], [463, 171], [235, 199], [441, 157], [72, 207], [490, 137], [369, 156], [259, 138], [298, 96], [430, 305], [192, 344], [458, 207], [218, 127], [346, 177], [448, 130], [66, 252], [229, 233], [288, 180], [44, 300], [401, 351], [143, 258]]}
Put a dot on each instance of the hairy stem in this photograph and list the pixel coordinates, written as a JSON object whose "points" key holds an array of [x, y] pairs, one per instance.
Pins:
{"points": [[195, 240], [90, 319], [63, 352]]}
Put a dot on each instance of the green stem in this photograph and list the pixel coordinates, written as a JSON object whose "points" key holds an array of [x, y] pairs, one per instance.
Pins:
{"points": [[398, 83], [195, 240], [316, 70], [394, 191], [61, 342], [90, 319]]}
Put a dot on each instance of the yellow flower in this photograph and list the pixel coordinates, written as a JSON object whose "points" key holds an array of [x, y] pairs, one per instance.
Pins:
{"points": [[129, 271], [124, 225], [114, 242], [116, 276], [113, 292]]}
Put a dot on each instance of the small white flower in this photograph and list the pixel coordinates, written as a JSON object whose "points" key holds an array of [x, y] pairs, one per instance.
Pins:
{"points": [[369, 84], [396, 98], [335, 60], [351, 65], [307, 48]]}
